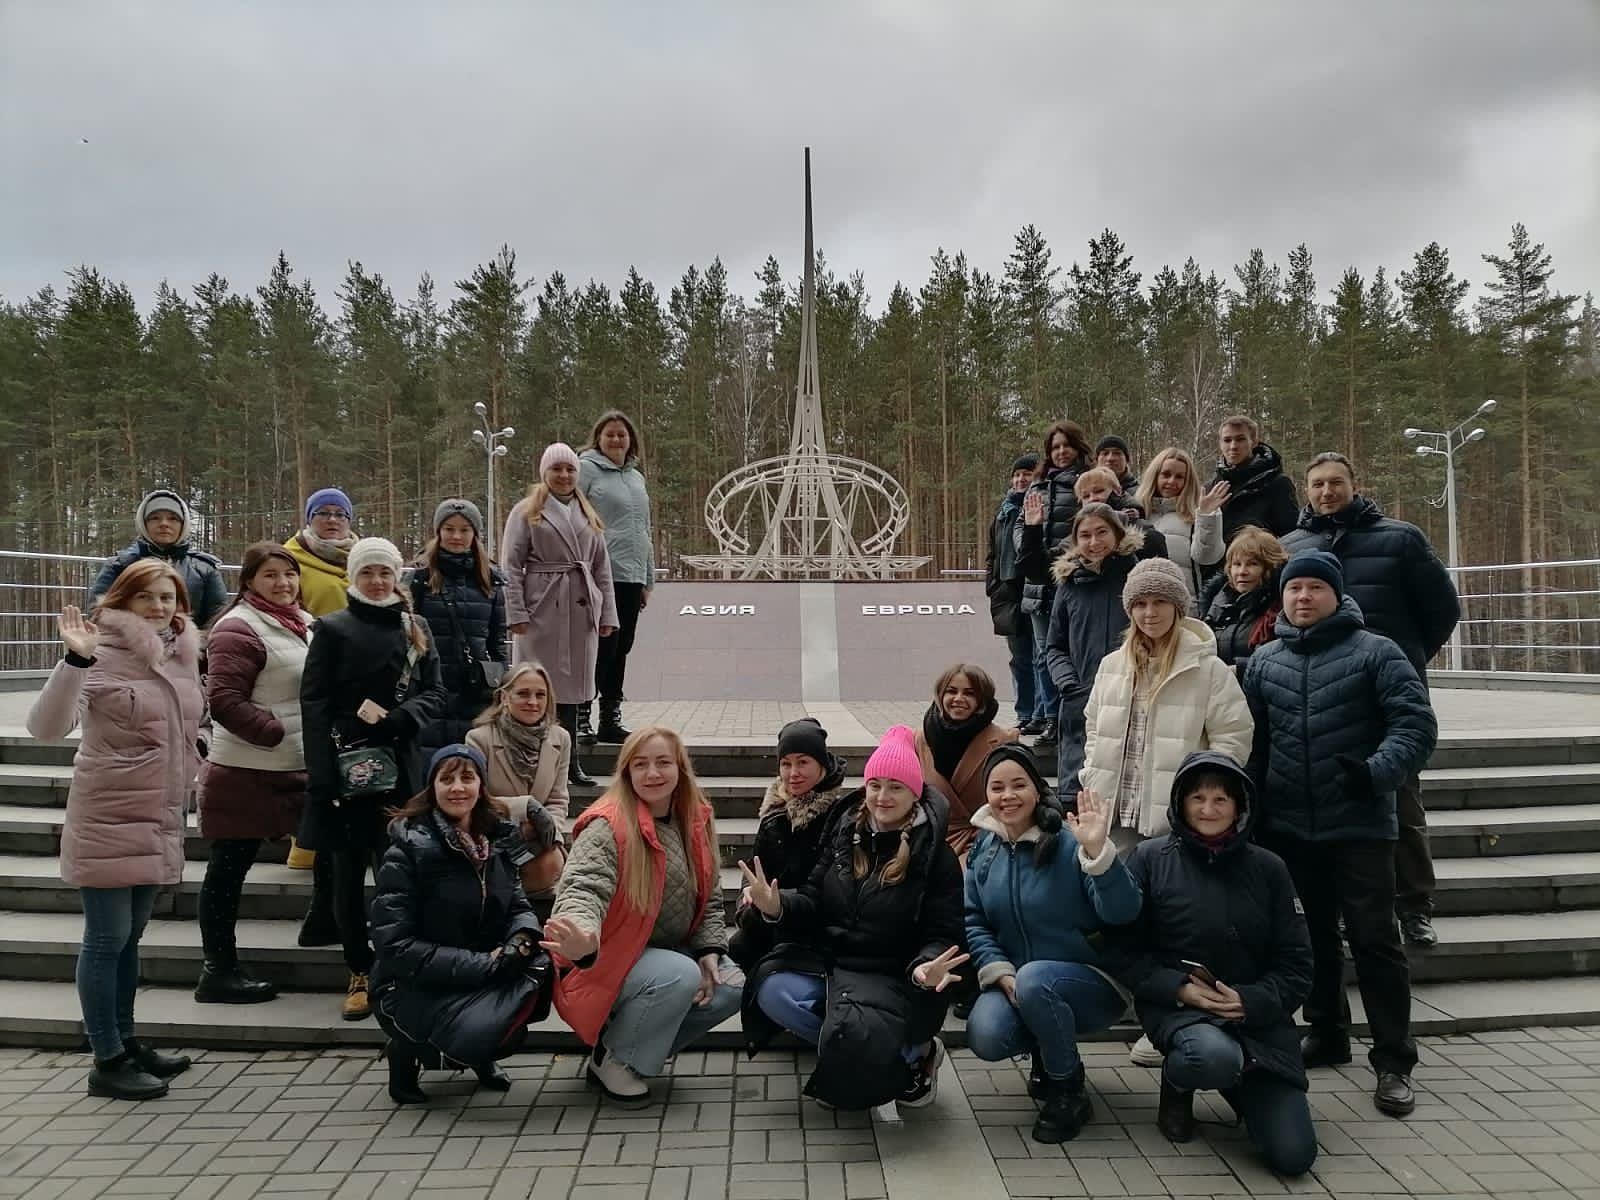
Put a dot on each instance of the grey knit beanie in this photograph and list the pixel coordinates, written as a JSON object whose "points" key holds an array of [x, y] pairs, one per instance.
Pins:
{"points": [[465, 509], [1160, 578]]}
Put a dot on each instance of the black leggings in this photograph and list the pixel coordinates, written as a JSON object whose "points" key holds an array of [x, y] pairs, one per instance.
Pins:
{"points": [[612, 663], [350, 905], [218, 910]]}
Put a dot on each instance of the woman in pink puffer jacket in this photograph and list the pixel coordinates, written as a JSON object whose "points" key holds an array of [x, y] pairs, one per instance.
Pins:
{"points": [[131, 679]]}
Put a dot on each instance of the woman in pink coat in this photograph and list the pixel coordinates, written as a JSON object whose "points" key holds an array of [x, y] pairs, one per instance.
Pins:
{"points": [[559, 601], [131, 679]]}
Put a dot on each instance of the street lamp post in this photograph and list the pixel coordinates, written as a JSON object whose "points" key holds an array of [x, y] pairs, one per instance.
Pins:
{"points": [[490, 440], [1445, 444]]}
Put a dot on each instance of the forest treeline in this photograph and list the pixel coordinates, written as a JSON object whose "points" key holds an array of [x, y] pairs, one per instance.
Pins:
{"points": [[246, 399]]}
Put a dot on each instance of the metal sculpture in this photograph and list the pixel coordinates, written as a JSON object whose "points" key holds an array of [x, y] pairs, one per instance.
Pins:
{"points": [[809, 514]]}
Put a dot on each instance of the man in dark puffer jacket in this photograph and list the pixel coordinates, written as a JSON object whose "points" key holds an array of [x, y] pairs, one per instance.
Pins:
{"points": [[1259, 493], [1405, 594], [1342, 718]]}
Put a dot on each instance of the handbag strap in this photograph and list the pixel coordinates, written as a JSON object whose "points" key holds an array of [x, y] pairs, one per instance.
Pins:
{"points": [[455, 627]]}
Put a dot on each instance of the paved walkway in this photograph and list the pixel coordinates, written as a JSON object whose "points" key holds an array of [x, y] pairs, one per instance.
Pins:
{"points": [[1513, 1114]]}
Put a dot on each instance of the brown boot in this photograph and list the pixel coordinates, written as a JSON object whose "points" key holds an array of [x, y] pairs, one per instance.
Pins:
{"points": [[357, 1006]]}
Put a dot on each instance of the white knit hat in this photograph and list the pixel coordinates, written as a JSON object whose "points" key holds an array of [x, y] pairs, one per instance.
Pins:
{"points": [[373, 552]]}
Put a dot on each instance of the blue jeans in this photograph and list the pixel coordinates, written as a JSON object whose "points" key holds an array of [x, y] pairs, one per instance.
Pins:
{"points": [[655, 1015], [796, 1001], [1024, 670], [1056, 1001], [1275, 1113], [108, 963], [1044, 692]]}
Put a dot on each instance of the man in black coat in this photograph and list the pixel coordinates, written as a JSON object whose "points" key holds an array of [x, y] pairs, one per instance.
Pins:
{"points": [[1405, 593], [1003, 579], [1342, 718], [1259, 493]]}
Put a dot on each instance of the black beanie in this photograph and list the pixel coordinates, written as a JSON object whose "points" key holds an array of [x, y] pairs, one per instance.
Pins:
{"points": [[1318, 564], [1048, 816], [805, 736], [1112, 442], [1027, 462]]}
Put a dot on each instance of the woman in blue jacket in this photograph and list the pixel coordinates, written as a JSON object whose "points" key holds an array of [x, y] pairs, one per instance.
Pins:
{"points": [[1037, 898]]}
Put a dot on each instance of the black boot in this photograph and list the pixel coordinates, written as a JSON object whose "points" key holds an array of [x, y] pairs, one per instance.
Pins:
{"points": [[1046, 735], [153, 1062], [1175, 1116], [1065, 1111], [576, 775], [121, 1078], [585, 730], [1038, 1081], [1325, 1048], [223, 984], [491, 1076], [404, 1073], [611, 729]]}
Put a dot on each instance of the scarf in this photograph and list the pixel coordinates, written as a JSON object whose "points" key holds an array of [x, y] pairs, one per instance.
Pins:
{"points": [[168, 634], [456, 565], [355, 594], [334, 553], [475, 848], [948, 740], [287, 615], [523, 744]]}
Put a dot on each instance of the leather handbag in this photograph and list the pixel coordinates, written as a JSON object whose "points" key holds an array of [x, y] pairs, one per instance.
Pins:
{"points": [[484, 675]]}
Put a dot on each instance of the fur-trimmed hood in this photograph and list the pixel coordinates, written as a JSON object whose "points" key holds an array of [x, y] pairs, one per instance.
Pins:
{"points": [[138, 638], [1067, 564], [805, 809]]}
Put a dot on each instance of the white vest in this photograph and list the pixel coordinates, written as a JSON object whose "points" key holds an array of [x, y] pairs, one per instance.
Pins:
{"points": [[277, 689]]}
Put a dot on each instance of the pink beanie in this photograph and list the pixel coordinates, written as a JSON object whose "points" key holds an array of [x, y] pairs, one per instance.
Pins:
{"points": [[896, 758], [555, 454]]}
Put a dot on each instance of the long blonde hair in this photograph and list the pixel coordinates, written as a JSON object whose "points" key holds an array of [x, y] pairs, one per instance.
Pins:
{"points": [[532, 505], [688, 806], [498, 705], [1153, 661], [1188, 501]]}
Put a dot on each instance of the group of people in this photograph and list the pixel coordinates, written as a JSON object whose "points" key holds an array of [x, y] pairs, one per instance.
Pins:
{"points": [[1235, 688]]}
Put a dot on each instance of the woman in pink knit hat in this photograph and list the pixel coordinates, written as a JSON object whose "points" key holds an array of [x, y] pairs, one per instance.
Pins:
{"points": [[559, 601], [869, 945]]}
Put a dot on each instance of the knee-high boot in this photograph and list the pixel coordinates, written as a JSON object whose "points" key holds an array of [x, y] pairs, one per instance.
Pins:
{"points": [[568, 715]]}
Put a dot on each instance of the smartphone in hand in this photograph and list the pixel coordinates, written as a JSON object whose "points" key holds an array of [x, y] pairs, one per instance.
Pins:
{"points": [[371, 712], [1200, 971]]}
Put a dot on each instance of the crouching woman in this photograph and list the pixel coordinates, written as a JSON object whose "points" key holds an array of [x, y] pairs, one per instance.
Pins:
{"points": [[1218, 962], [866, 947], [1039, 898], [459, 972]]}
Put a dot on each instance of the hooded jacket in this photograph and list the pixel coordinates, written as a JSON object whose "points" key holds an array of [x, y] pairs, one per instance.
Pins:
{"points": [[1234, 911], [1341, 720], [201, 574], [1262, 495], [1390, 570]]}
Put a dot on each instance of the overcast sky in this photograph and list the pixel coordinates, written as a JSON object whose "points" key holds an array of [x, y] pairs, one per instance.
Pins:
{"points": [[178, 137]]}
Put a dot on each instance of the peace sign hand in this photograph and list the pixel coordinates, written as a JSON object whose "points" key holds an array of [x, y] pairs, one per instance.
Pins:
{"points": [[1091, 823], [763, 891], [80, 637], [939, 973], [1215, 498], [565, 937]]}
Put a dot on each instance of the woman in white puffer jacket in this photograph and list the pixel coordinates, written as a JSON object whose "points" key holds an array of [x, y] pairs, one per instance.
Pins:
{"points": [[1169, 493]]}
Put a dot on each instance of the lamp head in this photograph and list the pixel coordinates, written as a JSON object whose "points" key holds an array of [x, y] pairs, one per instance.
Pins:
{"points": [[477, 436], [1487, 407], [481, 409], [1477, 435], [1424, 451], [1410, 431], [500, 451], [507, 432]]}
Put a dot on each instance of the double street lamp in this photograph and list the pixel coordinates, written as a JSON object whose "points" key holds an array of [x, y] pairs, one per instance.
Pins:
{"points": [[490, 440], [1445, 444]]}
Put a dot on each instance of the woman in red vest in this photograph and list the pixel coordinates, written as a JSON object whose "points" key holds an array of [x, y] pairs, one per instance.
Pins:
{"points": [[637, 931]]}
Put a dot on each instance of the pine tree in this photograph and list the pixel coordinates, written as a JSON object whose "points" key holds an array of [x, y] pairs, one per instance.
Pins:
{"points": [[1107, 318], [1032, 296]]}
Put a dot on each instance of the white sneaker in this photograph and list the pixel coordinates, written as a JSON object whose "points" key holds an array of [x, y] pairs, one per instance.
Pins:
{"points": [[617, 1080], [887, 1114], [1144, 1054]]}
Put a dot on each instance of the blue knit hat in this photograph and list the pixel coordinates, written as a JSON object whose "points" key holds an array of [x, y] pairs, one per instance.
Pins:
{"points": [[459, 750], [1316, 564], [332, 497]]}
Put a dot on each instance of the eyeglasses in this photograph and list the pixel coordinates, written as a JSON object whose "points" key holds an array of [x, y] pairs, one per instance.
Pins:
{"points": [[328, 514]]}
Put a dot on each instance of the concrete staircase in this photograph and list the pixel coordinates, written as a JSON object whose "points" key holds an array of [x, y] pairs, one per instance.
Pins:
{"points": [[1516, 836]]}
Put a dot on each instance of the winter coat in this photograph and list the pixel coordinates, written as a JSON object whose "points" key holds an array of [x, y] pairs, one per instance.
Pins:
{"points": [[558, 584], [357, 654], [140, 709], [1038, 545], [587, 990], [1195, 546], [866, 938], [1262, 495], [1002, 572], [1233, 618], [964, 788], [323, 586], [1085, 624], [1391, 571], [481, 620], [201, 574], [1019, 911], [253, 783], [1233, 911], [549, 782], [436, 918], [619, 496], [1197, 707], [1342, 719]]}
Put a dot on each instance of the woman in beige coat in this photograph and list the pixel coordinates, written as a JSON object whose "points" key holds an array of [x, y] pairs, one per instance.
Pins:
{"points": [[559, 601], [527, 755], [958, 732]]}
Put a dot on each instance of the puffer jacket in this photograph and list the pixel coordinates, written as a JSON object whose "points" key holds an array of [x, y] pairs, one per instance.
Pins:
{"points": [[1233, 618], [1038, 545], [481, 620], [1342, 719], [1002, 573], [436, 918], [1020, 911], [1086, 621], [140, 709], [1232, 910], [1262, 495], [1197, 707], [201, 573], [1196, 547], [1391, 571], [619, 496]]}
